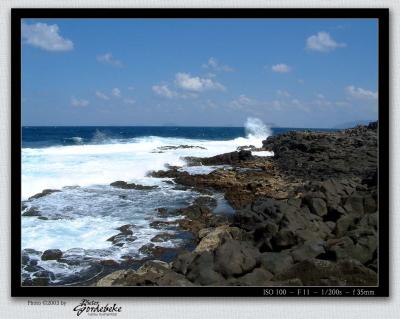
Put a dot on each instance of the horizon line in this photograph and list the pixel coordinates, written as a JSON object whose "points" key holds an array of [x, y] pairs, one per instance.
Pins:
{"points": [[183, 126]]}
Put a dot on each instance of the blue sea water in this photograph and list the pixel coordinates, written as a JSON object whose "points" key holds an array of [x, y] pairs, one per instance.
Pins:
{"points": [[46, 136], [81, 162]]}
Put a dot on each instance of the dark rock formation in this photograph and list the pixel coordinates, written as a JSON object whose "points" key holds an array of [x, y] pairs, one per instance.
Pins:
{"points": [[51, 254], [125, 185], [45, 192], [32, 212], [306, 216]]}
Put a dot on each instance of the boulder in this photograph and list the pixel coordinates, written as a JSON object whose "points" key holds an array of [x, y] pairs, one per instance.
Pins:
{"points": [[201, 270], [32, 212], [214, 238], [276, 262], [309, 249], [362, 250], [318, 206], [284, 239], [52, 254], [233, 258], [182, 262], [354, 205]]}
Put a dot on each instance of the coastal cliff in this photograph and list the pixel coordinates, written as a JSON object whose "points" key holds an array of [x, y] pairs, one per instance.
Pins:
{"points": [[305, 216]]}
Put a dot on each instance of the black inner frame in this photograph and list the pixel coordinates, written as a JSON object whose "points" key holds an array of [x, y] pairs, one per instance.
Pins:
{"points": [[17, 290]]}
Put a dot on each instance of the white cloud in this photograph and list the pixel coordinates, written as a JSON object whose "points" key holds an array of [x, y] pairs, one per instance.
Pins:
{"points": [[129, 101], [251, 105], [360, 93], [214, 64], [131, 88], [164, 90], [281, 68], [322, 42], [101, 95], [197, 84], [116, 92], [79, 102], [46, 37], [320, 96], [107, 58]]}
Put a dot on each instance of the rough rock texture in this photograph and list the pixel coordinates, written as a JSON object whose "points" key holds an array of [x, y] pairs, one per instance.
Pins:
{"points": [[125, 185], [51, 254], [45, 192], [306, 216]]}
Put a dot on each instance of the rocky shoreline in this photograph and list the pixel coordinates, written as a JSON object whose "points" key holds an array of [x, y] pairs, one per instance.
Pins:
{"points": [[306, 216]]}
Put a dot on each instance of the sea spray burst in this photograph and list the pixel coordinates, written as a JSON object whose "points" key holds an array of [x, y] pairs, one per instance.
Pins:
{"points": [[256, 129]]}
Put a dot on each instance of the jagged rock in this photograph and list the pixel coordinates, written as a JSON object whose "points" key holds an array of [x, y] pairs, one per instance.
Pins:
{"points": [[284, 239], [227, 158], [162, 224], [311, 209], [354, 205], [216, 237], [109, 262], [32, 212], [153, 273], [115, 277], [201, 270], [122, 238], [51, 254], [315, 272], [182, 262], [318, 206], [45, 192], [126, 229], [309, 249], [234, 258], [344, 223], [125, 185], [363, 249], [276, 262], [162, 237]]}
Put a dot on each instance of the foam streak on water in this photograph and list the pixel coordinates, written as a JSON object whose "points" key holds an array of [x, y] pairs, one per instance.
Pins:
{"points": [[88, 210]]}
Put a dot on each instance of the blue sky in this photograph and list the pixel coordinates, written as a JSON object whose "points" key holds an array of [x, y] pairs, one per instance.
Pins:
{"points": [[287, 72]]}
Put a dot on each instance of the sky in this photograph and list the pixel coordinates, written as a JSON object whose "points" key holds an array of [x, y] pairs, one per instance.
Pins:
{"points": [[206, 72]]}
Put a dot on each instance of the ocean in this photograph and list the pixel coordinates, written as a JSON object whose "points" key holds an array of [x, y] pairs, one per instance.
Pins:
{"points": [[83, 161]]}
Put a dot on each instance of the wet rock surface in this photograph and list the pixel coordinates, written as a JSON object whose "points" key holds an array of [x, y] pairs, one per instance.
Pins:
{"points": [[45, 192], [125, 185]]}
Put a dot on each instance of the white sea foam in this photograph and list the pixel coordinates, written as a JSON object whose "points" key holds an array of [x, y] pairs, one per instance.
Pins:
{"points": [[87, 214], [262, 153], [83, 165], [200, 170]]}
